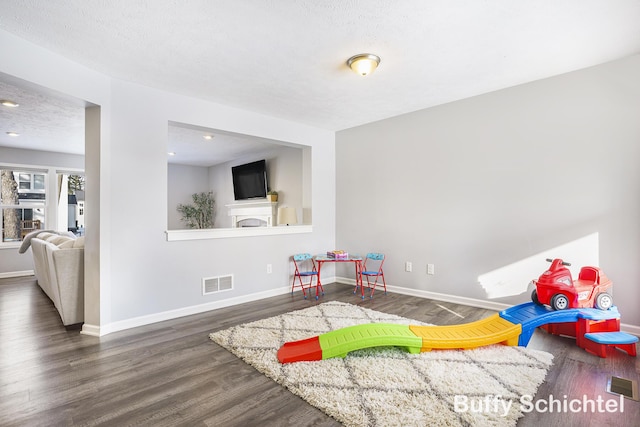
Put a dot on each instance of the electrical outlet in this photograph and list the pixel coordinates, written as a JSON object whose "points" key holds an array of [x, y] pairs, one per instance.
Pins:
{"points": [[408, 266], [269, 269], [431, 269]]}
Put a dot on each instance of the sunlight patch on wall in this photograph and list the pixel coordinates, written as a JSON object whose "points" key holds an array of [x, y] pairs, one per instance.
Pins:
{"points": [[513, 279]]}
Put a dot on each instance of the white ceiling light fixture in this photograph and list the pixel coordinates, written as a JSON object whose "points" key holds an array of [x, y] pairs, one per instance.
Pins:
{"points": [[208, 137], [364, 63], [13, 134], [8, 103], [171, 153]]}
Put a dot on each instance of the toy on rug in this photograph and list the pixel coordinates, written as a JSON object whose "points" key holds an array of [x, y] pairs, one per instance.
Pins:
{"points": [[595, 329]]}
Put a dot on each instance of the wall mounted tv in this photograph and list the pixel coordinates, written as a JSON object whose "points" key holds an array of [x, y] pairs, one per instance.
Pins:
{"points": [[250, 180]]}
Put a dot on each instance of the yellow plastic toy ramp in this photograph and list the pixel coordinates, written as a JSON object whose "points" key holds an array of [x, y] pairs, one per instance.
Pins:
{"points": [[342, 341], [491, 330]]}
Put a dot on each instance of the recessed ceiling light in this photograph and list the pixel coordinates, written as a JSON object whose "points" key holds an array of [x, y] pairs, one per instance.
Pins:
{"points": [[13, 134], [208, 137], [171, 153], [9, 103]]}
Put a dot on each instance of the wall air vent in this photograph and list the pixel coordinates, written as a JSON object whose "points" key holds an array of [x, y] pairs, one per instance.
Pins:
{"points": [[212, 285]]}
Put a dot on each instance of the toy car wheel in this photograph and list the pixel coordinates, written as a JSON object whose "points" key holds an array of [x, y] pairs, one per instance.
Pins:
{"points": [[534, 297], [604, 301], [559, 302]]}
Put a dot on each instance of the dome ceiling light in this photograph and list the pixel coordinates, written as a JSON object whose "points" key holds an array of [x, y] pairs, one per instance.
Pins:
{"points": [[363, 63]]}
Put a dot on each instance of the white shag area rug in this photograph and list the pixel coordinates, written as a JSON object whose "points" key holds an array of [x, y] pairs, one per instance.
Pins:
{"points": [[387, 386]]}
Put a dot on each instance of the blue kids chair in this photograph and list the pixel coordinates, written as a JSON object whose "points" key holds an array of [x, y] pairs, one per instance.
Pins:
{"points": [[372, 270], [305, 267]]}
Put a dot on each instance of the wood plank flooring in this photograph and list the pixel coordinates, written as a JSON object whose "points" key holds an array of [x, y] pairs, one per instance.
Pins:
{"points": [[171, 374]]}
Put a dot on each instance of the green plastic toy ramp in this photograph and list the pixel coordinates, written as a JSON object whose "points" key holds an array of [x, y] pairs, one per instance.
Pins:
{"points": [[340, 342]]}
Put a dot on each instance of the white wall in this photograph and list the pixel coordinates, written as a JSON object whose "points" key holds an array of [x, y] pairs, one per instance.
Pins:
{"points": [[135, 275], [151, 275], [220, 182], [484, 183], [286, 176]]}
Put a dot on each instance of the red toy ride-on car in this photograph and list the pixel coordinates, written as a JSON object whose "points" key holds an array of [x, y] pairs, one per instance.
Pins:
{"points": [[556, 288]]}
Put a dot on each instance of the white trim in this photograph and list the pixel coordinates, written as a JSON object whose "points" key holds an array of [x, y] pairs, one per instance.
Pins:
{"points": [[437, 296], [223, 233], [11, 245], [496, 306], [16, 274], [630, 329], [122, 325], [91, 330], [25, 167]]}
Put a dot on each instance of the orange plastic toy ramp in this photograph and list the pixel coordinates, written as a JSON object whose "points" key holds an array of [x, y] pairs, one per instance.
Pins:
{"points": [[491, 330]]}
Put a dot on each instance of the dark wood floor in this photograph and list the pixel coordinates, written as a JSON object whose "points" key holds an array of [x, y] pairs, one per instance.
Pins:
{"points": [[171, 374]]}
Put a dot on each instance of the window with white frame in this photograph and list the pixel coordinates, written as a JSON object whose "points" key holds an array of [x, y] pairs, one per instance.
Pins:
{"points": [[29, 201], [23, 201]]}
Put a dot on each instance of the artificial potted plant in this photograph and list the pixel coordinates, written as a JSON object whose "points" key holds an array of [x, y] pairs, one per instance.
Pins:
{"points": [[201, 213], [272, 196]]}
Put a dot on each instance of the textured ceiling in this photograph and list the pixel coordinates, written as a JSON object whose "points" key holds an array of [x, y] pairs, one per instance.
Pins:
{"points": [[286, 58], [44, 120]]}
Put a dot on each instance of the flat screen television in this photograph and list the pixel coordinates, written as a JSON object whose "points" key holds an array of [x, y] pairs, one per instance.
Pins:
{"points": [[250, 180]]}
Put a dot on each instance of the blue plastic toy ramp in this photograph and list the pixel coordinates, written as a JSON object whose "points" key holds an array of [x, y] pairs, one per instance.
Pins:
{"points": [[532, 316]]}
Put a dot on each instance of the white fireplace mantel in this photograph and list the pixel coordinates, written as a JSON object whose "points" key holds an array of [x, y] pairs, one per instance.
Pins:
{"points": [[264, 211]]}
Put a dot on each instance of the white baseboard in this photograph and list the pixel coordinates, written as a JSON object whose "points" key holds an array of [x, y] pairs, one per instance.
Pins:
{"points": [[92, 330], [631, 329], [16, 274], [121, 325], [437, 296]]}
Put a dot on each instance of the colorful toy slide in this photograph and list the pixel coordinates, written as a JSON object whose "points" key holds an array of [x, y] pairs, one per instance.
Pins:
{"points": [[513, 326]]}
